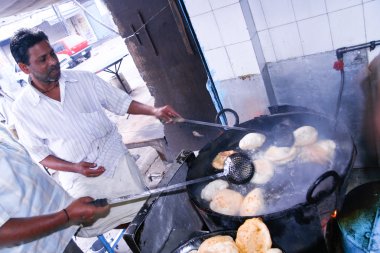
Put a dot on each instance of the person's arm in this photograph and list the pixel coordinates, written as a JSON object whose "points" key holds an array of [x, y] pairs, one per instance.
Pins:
{"points": [[23, 230], [164, 114], [84, 168], [119, 102]]}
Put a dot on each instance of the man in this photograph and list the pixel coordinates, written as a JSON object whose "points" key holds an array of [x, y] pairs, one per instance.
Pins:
{"points": [[37, 215], [60, 119]]}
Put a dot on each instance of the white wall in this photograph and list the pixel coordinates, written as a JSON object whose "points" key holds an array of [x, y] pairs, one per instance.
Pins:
{"points": [[286, 28], [224, 38], [294, 28]]}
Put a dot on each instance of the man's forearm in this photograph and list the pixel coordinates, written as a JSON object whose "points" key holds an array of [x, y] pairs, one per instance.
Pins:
{"points": [[56, 163], [23, 230], [139, 108]]}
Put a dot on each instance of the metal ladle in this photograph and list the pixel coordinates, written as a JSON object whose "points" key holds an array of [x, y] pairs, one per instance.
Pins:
{"points": [[238, 169]]}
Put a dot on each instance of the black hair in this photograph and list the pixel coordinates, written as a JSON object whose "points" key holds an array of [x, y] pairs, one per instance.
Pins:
{"points": [[24, 39]]}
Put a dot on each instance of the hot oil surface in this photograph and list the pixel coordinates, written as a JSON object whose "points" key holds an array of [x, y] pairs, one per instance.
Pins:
{"points": [[291, 181]]}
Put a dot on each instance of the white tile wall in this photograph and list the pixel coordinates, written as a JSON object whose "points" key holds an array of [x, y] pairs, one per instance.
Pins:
{"points": [[215, 4], [334, 5], [315, 35], [372, 20], [347, 27], [266, 46], [243, 59], [278, 12], [286, 29], [196, 7], [207, 31], [231, 24], [308, 8], [258, 14], [219, 64], [286, 41]]}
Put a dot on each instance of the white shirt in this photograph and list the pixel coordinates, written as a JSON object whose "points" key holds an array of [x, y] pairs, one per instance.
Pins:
{"points": [[76, 128], [28, 191]]}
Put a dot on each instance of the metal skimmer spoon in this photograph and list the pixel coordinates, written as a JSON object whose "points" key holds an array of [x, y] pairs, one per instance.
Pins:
{"points": [[238, 169]]}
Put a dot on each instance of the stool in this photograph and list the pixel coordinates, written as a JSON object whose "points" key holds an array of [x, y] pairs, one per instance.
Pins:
{"points": [[109, 246]]}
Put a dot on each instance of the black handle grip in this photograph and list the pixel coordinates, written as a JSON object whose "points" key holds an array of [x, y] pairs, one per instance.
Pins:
{"points": [[100, 202], [320, 195], [223, 111]]}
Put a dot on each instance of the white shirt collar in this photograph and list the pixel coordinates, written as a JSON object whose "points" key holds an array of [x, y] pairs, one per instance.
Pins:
{"points": [[36, 95]]}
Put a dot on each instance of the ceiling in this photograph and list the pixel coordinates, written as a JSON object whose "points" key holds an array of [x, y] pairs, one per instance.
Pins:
{"points": [[14, 7]]}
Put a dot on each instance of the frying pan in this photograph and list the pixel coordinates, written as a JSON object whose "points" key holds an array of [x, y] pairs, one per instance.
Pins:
{"points": [[297, 183]]}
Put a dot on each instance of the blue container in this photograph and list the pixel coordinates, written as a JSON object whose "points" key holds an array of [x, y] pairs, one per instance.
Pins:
{"points": [[359, 219]]}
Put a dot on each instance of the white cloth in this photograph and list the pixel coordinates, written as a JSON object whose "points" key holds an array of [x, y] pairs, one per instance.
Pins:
{"points": [[28, 191], [124, 182]]}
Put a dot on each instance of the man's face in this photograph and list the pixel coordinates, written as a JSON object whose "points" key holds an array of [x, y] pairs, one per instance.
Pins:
{"points": [[43, 63]]}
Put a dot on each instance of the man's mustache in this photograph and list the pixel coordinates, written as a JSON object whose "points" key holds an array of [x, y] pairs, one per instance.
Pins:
{"points": [[54, 67]]}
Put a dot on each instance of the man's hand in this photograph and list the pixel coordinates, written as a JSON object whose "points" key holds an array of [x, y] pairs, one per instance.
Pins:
{"points": [[86, 169], [82, 211], [166, 114]]}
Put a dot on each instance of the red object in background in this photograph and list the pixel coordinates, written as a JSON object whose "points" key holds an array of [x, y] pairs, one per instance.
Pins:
{"points": [[73, 45], [339, 65]]}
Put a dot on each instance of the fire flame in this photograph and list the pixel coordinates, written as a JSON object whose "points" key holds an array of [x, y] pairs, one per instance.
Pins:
{"points": [[334, 214]]}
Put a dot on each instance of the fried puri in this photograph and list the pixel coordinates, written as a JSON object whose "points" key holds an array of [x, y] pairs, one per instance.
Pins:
{"points": [[253, 237]]}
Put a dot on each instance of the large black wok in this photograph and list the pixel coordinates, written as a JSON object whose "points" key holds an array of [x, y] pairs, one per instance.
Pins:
{"points": [[295, 185]]}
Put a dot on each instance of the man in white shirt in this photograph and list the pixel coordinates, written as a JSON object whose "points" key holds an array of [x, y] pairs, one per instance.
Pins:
{"points": [[36, 214], [60, 119]]}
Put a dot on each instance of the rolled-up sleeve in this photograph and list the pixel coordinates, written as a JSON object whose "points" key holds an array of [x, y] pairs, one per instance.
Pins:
{"points": [[111, 98]]}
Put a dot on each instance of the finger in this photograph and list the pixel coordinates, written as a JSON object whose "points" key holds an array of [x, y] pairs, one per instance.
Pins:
{"points": [[165, 119], [89, 165], [172, 113], [87, 199], [101, 168], [93, 173], [98, 172], [170, 120]]}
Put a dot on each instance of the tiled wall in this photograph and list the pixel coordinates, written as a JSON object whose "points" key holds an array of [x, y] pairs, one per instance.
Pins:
{"points": [[286, 28], [224, 38], [294, 28]]}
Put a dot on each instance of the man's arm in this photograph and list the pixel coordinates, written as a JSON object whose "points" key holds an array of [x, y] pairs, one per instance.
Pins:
{"points": [[119, 102], [84, 168], [23, 230], [164, 114]]}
